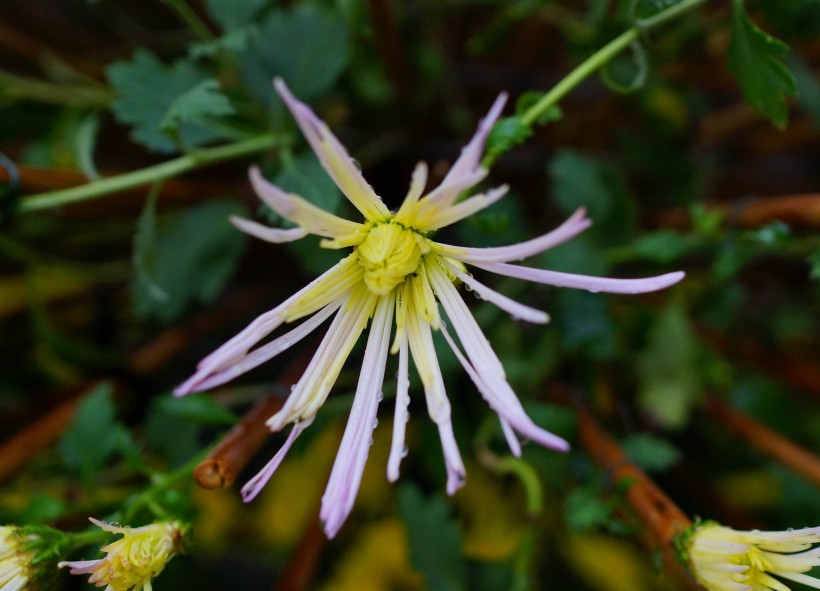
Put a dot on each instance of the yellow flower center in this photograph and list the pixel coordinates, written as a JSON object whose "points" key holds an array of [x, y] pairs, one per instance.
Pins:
{"points": [[389, 254]]}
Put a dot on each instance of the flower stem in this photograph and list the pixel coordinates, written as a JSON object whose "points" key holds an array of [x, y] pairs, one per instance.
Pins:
{"points": [[148, 175], [594, 62], [190, 18]]}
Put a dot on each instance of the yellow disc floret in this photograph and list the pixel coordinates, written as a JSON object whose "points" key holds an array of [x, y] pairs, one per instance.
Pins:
{"points": [[388, 254]]}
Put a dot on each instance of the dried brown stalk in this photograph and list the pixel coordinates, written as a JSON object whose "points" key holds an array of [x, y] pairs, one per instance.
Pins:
{"points": [[662, 518], [766, 440]]}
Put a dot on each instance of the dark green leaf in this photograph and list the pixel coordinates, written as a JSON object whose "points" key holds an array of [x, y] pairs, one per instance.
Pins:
{"points": [[146, 250], [808, 86], [199, 105], [668, 368], [305, 176], [582, 181], [587, 509], [92, 438], [648, 8], [794, 18], [433, 536], [146, 90], [230, 14], [233, 42], [814, 261], [197, 408], [194, 256], [42, 508], [649, 452], [756, 59], [662, 246], [776, 234], [306, 46], [507, 133]]}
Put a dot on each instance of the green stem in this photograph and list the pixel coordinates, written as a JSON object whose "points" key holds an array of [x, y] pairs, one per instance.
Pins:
{"points": [[191, 18], [528, 477], [146, 176], [86, 96], [594, 62], [84, 538]]}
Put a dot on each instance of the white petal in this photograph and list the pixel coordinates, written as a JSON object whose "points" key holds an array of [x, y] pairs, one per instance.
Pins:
{"points": [[806, 580], [346, 475], [509, 435], [593, 284], [312, 389], [515, 309], [255, 485], [574, 225], [435, 219], [237, 347], [400, 416], [333, 156], [274, 235], [292, 207], [270, 350]]}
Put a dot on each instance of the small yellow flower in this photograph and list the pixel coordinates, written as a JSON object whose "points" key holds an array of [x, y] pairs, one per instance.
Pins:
{"points": [[14, 560], [136, 558], [723, 559]]}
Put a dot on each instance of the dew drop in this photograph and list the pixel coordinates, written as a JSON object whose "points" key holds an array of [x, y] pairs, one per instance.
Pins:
{"points": [[375, 423], [380, 396], [593, 290], [370, 442], [405, 451]]}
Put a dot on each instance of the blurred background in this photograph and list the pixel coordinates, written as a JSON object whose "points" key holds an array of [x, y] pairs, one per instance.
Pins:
{"points": [[106, 304]]}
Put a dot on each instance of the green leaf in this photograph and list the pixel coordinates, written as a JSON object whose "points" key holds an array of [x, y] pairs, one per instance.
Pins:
{"points": [[146, 90], [197, 408], [668, 369], [84, 142], [230, 14], [190, 261], [507, 133], [233, 42], [582, 181], [93, 435], [146, 250], [814, 261], [793, 18], [808, 86], [199, 105], [306, 46], [529, 99], [648, 8], [756, 59], [662, 246], [587, 509], [649, 452], [433, 537]]}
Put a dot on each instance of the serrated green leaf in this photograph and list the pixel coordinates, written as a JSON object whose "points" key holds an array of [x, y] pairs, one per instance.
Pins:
{"points": [[146, 89], [233, 42], [507, 133], [197, 408], [670, 383], [756, 59], [230, 14], [307, 46], [92, 437], [192, 260], [199, 105], [433, 537], [649, 452]]}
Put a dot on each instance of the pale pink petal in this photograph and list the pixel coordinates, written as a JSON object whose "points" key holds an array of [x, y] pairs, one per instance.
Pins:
{"points": [[268, 234], [589, 283], [81, 567], [509, 435], [401, 414], [313, 387], [299, 211], [333, 156], [484, 368], [466, 171], [456, 472], [254, 486], [573, 226], [270, 350], [346, 475], [237, 347], [418, 182], [434, 219], [515, 309]]}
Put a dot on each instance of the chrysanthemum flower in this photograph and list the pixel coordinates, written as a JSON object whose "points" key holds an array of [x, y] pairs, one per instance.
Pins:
{"points": [[134, 559], [723, 559], [15, 561], [398, 275]]}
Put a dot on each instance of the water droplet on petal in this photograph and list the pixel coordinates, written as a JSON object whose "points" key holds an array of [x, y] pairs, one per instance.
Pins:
{"points": [[375, 423], [405, 451]]}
